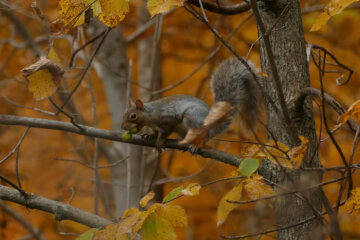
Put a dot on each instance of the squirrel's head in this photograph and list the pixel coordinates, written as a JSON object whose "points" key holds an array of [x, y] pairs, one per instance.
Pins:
{"points": [[134, 115]]}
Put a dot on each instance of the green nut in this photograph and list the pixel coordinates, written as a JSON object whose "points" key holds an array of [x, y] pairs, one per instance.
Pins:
{"points": [[126, 136], [133, 130]]}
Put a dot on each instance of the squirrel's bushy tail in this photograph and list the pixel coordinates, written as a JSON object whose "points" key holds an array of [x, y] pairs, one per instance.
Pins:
{"points": [[234, 84]]}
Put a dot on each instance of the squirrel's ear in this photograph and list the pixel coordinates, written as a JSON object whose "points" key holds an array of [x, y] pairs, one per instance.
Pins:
{"points": [[139, 105], [131, 103]]}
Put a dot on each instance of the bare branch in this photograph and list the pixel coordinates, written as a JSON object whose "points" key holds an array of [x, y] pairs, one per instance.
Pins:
{"points": [[223, 9], [114, 136]]}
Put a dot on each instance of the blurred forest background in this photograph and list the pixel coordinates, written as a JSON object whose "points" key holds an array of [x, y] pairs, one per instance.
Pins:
{"points": [[48, 161]]}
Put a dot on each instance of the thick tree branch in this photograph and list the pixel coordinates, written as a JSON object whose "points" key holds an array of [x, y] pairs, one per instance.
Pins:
{"points": [[61, 210], [309, 91], [223, 9], [114, 136]]}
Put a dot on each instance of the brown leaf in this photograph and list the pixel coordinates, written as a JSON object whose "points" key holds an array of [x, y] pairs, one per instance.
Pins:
{"points": [[352, 112], [217, 114]]}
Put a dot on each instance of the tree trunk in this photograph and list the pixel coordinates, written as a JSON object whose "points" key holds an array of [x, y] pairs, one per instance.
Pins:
{"points": [[126, 176], [288, 46]]}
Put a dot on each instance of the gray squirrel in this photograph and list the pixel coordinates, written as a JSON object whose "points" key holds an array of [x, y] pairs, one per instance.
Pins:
{"points": [[231, 83]]}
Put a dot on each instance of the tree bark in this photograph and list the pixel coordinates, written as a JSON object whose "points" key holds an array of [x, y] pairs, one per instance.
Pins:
{"points": [[288, 47], [114, 73]]}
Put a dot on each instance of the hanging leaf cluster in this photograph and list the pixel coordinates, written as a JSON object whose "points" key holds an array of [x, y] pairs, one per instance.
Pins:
{"points": [[110, 12], [157, 222]]}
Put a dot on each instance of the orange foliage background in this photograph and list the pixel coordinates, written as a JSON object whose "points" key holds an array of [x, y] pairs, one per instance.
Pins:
{"points": [[185, 43]]}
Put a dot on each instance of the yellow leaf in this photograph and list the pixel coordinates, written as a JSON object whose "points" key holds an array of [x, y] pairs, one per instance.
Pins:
{"points": [[41, 84], [352, 112], [110, 232], [256, 188], [161, 220], [174, 214], [161, 6], [144, 201], [225, 207], [44, 76], [353, 203], [333, 8], [192, 189], [296, 154], [156, 228], [71, 11], [131, 222], [52, 55], [113, 11], [263, 74]]}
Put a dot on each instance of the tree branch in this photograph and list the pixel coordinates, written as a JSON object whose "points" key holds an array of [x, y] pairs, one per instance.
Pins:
{"points": [[61, 210], [309, 91], [114, 136], [224, 9]]}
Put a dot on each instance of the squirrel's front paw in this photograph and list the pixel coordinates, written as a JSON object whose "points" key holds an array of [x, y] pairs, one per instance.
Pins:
{"points": [[192, 149], [148, 137]]}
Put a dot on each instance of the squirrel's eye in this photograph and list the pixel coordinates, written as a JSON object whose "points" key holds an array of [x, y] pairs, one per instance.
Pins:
{"points": [[133, 116]]}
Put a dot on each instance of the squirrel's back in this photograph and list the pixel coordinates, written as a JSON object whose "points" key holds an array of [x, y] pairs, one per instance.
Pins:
{"points": [[234, 84]]}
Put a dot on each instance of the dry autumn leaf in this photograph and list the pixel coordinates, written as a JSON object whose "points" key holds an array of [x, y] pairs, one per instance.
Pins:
{"points": [[113, 11], [353, 203], [71, 13], [280, 153], [255, 187], [192, 189], [224, 207], [44, 76], [352, 112], [217, 114], [333, 8], [144, 201], [161, 6]]}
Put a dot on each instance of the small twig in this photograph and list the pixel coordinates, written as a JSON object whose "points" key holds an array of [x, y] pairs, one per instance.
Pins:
{"points": [[91, 167], [184, 178], [349, 175], [155, 51], [17, 167], [72, 58], [69, 234], [86, 68], [207, 59], [33, 231], [286, 193], [72, 119], [15, 149], [28, 107], [72, 195], [276, 229], [24, 194], [337, 62]]}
